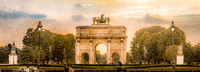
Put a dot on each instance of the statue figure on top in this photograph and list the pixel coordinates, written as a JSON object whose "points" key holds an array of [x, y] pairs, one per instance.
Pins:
{"points": [[101, 20]]}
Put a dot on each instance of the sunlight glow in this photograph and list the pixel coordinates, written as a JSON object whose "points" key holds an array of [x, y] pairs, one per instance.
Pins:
{"points": [[102, 48]]}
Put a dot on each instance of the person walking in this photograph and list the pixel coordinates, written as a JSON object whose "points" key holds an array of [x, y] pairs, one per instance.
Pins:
{"points": [[27, 69], [120, 68], [68, 68]]}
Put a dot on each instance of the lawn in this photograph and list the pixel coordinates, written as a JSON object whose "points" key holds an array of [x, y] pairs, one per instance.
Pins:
{"points": [[110, 67]]}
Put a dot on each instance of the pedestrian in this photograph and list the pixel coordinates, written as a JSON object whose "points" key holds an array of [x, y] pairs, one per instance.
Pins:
{"points": [[68, 68], [27, 69], [120, 68]]}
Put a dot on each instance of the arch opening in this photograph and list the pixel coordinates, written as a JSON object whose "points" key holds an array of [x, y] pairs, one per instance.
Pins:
{"points": [[101, 54], [115, 57], [85, 58]]}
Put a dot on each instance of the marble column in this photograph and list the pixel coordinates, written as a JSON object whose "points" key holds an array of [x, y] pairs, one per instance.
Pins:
{"points": [[122, 51], [91, 56], [124, 48], [78, 57], [108, 52]]}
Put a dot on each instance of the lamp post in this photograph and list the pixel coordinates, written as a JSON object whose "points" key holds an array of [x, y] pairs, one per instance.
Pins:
{"points": [[145, 51], [173, 28], [39, 27], [65, 56], [50, 54]]}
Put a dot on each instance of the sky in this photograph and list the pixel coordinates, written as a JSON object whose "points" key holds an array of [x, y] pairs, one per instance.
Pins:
{"points": [[62, 16]]}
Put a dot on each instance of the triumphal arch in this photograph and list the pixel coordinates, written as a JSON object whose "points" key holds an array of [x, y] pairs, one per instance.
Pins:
{"points": [[100, 32]]}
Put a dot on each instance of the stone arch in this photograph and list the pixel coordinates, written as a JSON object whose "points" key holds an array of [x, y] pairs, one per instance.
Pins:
{"points": [[115, 57], [88, 37], [85, 58]]}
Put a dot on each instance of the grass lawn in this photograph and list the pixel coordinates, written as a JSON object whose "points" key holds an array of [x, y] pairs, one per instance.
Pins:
{"points": [[169, 68], [140, 67]]}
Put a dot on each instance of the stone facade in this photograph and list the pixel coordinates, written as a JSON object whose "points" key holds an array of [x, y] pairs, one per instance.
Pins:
{"points": [[100, 32]]}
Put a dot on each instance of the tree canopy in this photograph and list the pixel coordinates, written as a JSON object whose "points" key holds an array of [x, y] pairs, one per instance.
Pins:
{"points": [[158, 42]]}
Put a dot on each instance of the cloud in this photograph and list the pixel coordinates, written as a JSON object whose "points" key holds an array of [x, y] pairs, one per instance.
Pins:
{"points": [[37, 16], [78, 5], [194, 9], [83, 5], [190, 24], [19, 14], [77, 17], [153, 19], [188, 17]]}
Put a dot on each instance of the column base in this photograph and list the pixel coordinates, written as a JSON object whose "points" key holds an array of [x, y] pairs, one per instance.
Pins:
{"points": [[77, 62]]}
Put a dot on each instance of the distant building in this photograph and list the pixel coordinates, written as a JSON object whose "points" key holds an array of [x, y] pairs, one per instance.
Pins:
{"points": [[13, 55]]}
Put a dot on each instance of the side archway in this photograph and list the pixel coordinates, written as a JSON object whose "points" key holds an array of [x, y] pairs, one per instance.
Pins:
{"points": [[85, 58], [115, 57]]}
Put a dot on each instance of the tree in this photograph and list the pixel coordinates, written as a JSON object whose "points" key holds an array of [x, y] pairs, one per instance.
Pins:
{"points": [[27, 55], [59, 46], [155, 39], [188, 53], [70, 51], [3, 56], [4, 52], [152, 49], [165, 40], [64, 47], [34, 38], [196, 52], [146, 37], [171, 53], [129, 58]]}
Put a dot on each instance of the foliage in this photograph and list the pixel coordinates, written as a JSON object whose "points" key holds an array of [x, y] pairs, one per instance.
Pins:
{"points": [[156, 40], [146, 37], [189, 55], [170, 53], [26, 55], [4, 52], [46, 39]]}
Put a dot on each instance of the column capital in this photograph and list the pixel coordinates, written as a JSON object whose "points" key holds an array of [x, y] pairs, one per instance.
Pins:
{"points": [[78, 40], [121, 40], [109, 40], [90, 40]]}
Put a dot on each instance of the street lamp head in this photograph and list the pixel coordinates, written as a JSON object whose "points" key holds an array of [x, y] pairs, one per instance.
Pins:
{"points": [[172, 26], [13, 43], [39, 29]]}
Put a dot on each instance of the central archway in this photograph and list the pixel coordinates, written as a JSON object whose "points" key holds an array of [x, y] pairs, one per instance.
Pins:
{"points": [[101, 54]]}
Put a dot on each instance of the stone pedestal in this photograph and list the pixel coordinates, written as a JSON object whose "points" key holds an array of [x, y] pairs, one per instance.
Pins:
{"points": [[13, 55], [12, 59], [180, 56], [180, 60]]}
